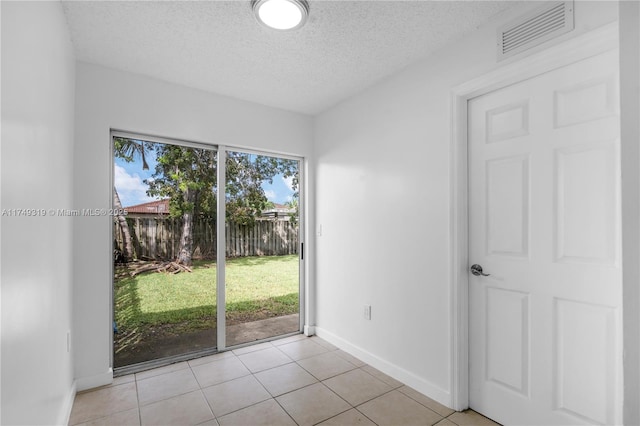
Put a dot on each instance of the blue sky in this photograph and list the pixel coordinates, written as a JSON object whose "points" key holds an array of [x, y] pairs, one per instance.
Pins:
{"points": [[129, 177]]}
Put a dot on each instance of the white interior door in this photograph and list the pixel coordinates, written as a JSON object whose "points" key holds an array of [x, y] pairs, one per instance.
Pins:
{"points": [[544, 216]]}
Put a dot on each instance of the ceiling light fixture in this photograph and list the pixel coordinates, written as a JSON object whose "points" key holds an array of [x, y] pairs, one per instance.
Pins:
{"points": [[281, 14]]}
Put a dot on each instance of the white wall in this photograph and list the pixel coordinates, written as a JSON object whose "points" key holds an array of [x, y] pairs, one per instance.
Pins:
{"points": [[109, 99], [382, 200], [38, 71]]}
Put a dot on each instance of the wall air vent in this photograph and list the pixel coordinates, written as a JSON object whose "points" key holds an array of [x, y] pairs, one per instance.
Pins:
{"points": [[534, 28]]}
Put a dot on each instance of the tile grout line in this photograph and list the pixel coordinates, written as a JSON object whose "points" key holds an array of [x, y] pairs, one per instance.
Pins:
{"points": [[135, 381], [203, 395], [169, 397], [274, 397], [367, 417], [99, 389], [352, 407], [201, 388], [396, 389], [292, 390], [285, 410], [252, 374], [331, 390], [327, 378], [270, 368], [414, 399]]}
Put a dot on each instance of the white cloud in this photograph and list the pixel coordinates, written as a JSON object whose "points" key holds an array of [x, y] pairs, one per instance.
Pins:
{"points": [[270, 194], [131, 189], [289, 182]]}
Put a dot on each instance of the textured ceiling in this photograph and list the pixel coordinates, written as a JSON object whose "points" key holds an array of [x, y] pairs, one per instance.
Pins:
{"points": [[218, 46]]}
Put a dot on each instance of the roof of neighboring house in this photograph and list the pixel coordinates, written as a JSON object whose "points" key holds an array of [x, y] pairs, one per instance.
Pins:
{"points": [[162, 207], [152, 207], [281, 207], [278, 210]]}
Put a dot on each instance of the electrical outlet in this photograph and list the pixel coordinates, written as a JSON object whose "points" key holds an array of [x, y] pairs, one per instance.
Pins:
{"points": [[367, 312]]}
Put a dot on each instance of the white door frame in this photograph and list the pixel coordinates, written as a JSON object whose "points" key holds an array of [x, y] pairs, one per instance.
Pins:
{"points": [[565, 53]]}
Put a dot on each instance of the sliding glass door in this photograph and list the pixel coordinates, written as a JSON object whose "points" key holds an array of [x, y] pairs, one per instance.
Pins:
{"points": [[170, 251], [262, 271], [164, 283]]}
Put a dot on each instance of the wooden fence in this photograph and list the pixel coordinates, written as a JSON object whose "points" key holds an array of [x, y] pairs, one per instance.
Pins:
{"points": [[159, 238]]}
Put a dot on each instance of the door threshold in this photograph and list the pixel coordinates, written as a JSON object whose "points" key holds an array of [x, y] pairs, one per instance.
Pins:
{"points": [[162, 362], [265, 340]]}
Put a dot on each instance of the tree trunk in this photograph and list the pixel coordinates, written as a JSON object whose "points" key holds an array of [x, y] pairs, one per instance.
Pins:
{"points": [[186, 239], [127, 250]]}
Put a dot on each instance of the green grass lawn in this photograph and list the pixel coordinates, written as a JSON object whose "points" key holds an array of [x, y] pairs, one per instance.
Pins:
{"points": [[255, 287]]}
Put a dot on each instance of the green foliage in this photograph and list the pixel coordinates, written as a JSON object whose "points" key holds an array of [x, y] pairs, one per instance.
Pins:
{"points": [[293, 216], [252, 284], [181, 169], [245, 198], [187, 176], [128, 149]]}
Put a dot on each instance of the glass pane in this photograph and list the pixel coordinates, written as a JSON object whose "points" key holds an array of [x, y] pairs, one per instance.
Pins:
{"points": [[262, 263], [164, 250]]}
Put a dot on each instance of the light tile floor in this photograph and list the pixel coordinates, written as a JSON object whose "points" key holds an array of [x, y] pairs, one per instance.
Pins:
{"points": [[291, 381]]}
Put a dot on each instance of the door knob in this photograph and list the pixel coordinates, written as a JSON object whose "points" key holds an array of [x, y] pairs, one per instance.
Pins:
{"points": [[477, 271]]}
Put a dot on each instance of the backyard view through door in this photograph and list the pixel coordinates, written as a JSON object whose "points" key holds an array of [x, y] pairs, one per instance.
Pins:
{"points": [[165, 249], [262, 241], [164, 285]]}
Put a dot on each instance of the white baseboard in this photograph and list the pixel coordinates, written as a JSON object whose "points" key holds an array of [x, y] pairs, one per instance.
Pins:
{"points": [[309, 330], [418, 383], [91, 382], [65, 412]]}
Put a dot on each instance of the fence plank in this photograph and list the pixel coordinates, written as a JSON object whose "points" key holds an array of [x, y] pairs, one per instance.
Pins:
{"points": [[155, 237]]}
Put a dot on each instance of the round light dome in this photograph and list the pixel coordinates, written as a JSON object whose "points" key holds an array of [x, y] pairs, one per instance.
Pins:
{"points": [[281, 14]]}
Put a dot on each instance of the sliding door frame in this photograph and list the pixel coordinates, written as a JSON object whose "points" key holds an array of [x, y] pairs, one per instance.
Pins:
{"points": [[221, 151], [221, 250], [221, 208]]}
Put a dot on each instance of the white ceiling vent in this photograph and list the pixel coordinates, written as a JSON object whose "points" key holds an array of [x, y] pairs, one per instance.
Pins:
{"points": [[534, 28]]}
